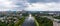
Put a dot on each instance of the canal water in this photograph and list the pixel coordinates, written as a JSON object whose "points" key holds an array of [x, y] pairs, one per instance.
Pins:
{"points": [[29, 21]]}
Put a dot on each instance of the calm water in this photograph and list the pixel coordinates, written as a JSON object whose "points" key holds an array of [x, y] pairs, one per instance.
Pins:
{"points": [[29, 21]]}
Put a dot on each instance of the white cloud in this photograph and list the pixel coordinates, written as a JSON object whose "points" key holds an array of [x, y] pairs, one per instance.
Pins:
{"points": [[6, 5], [44, 7]]}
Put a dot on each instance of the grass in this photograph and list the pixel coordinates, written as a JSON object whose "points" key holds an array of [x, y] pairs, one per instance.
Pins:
{"points": [[37, 24], [19, 22]]}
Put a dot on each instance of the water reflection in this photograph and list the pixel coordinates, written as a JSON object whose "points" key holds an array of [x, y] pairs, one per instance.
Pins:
{"points": [[30, 17], [29, 21]]}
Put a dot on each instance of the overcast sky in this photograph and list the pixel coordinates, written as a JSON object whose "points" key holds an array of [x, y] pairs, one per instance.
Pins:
{"points": [[30, 5]]}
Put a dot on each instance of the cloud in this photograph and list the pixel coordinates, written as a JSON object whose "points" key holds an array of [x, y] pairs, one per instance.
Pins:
{"points": [[42, 1], [21, 3], [6, 5], [44, 7], [12, 5], [30, 5]]}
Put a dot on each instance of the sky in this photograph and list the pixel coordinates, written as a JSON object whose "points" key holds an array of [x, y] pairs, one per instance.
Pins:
{"points": [[30, 5]]}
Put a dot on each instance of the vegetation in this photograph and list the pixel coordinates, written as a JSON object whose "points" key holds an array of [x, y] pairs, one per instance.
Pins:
{"points": [[44, 21], [3, 24], [57, 17], [11, 23], [25, 14], [19, 22]]}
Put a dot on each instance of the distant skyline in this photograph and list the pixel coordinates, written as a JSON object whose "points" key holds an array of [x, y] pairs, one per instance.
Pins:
{"points": [[30, 5]]}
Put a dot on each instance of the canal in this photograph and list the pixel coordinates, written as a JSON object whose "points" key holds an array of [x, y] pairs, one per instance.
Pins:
{"points": [[29, 21]]}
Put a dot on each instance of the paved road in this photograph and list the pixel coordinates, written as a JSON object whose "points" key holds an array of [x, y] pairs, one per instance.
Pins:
{"points": [[29, 21]]}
